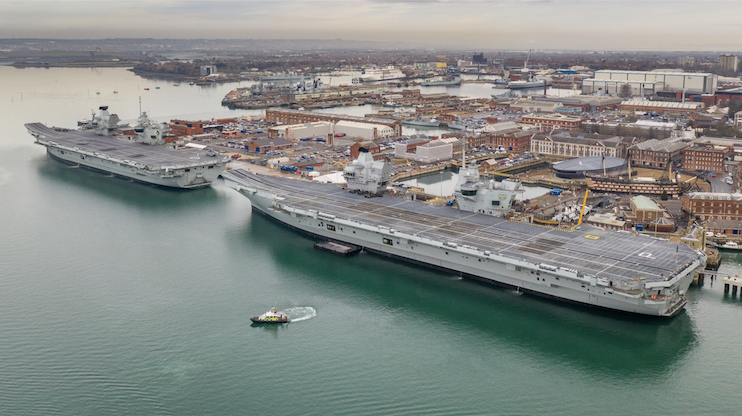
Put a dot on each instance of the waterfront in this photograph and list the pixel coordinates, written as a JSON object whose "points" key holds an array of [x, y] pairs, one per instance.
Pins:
{"points": [[117, 297]]}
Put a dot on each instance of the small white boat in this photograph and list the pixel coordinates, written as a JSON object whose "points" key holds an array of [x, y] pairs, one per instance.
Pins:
{"points": [[729, 245]]}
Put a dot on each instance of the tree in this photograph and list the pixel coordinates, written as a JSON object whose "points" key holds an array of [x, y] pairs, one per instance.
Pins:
{"points": [[625, 91], [735, 106], [664, 195]]}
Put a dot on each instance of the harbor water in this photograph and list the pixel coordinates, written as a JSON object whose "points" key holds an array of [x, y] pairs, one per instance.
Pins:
{"points": [[122, 298]]}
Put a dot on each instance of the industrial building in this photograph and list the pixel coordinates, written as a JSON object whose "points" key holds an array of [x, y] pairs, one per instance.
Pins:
{"points": [[661, 107], [585, 103], [615, 88], [532, 106], [207, 70], [369, 131], [300, 131], [690, 82], [424, 151]]}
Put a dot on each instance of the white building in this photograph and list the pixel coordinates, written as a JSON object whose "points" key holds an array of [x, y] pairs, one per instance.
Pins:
{"points": [[207, 70], [610, 87], [369, 131], [686, 61], [729, 62], [531, 106], [432, 151], [300, 131], [691, 82]]}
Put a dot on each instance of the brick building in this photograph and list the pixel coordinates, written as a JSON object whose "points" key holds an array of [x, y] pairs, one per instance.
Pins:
{"points": [[289, 116], [548, 122], [472, 139], [572, 144], [657, 153], [661, 107], [510, 135], [646, 212], [370, 146], [713, 205], [266, 145], [186, 128], [705, 157]]}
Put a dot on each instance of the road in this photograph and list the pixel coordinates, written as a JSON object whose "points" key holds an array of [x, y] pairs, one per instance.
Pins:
{"points": [[718, 184]]}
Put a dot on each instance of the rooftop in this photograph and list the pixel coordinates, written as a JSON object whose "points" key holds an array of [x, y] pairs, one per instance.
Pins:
{"points": [[663, 104], [645, 203]]}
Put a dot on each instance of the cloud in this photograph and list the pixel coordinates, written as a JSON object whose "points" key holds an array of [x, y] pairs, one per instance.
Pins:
{"points": [[473, 24]]}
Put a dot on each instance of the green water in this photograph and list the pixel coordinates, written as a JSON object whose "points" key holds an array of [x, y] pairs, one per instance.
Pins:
{"points": [[120, 298]]}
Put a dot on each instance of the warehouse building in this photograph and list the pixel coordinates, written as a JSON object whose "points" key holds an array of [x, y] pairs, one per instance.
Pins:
{"points": [[690, 82], [301, 131], [549, 122], [424, 151], [369, 131], [661, 107], [532, 106], [611, 87]]}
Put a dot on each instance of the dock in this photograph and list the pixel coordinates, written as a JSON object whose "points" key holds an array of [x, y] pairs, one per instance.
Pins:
{"points": [[337, 248], [733, 282]]}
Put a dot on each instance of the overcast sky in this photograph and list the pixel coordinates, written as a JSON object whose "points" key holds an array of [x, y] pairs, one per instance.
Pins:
{"points": [[475, 24]]}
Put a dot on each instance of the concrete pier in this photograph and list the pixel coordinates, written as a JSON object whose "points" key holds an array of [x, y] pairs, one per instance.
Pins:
{"points": [[733, 282]]}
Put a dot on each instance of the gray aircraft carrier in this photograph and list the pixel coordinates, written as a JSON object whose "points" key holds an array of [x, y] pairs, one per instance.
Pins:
{"points": [[93, 148], [615, 270]]}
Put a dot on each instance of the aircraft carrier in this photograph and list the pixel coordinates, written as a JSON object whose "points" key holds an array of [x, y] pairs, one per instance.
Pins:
{"points": [[615, 270], [142, 159]]}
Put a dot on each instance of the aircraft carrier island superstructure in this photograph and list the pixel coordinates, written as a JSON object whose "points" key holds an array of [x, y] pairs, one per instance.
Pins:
{"points": [[142, 159], [615, 270]]}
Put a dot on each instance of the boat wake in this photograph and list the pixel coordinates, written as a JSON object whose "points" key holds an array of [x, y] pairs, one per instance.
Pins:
{"points": [[300, 313]]}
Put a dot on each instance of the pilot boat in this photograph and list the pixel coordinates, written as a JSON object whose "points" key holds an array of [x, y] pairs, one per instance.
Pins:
{"points": [[271, 317]]}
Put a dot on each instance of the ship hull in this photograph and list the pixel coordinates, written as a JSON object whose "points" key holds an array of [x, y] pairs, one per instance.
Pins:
{"points": [[184, 169], [196, 178], [438, 83], [526, 85], [422, 123], [487, 268], [380, 79]]}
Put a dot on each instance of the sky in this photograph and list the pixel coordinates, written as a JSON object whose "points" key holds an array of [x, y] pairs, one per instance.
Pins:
{"points": [[672, 25]]}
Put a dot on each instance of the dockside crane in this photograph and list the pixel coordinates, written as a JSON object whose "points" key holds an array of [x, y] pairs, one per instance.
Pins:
{"points": [[525, 64], [92, 53]]}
